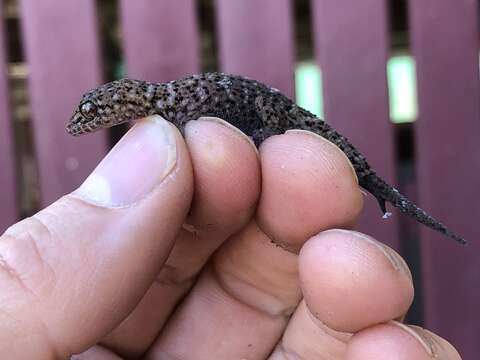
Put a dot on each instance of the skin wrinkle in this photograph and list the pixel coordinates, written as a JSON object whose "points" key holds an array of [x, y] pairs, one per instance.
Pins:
{"points": [[285, 314], [11, 273], [343, 337], [298, 347], [27, 241], [171, 275]]}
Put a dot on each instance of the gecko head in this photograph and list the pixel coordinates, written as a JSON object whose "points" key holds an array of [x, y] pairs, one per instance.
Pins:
{"points": [[110, 104]]}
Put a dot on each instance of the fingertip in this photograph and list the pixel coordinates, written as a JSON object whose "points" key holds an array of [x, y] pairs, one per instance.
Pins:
{"points": [[226, 125], [327, 143], [227, 173], [144, 158], [351, 281], [307, 186], [400, 341]]}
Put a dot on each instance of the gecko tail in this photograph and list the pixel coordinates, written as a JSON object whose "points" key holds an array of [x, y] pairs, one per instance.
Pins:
{"points": [[384, 192]]}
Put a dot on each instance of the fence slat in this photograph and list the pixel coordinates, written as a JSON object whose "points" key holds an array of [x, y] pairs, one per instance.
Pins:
{"points": [[160, 39], [351, 47], [444, 36], [256, 40], [8, 207], [62, 52]]}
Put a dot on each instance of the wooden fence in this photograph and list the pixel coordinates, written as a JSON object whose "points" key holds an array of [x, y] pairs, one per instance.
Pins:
{"points": [[255, 37]]}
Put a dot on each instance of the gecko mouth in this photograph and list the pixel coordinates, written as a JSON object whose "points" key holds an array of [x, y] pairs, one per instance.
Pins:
{"points": [[76, 125], [74, 129]]}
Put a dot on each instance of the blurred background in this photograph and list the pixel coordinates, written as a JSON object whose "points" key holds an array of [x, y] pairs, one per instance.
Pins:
{"points": [[399, 78]]}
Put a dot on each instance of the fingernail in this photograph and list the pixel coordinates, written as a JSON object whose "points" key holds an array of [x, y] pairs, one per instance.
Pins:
{"points": [[306, 132], [421, 335], [394, 259], [230, 126], [140, 161]]}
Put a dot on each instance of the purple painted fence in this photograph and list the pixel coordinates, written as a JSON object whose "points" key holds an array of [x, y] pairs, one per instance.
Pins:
{"points": [[172, 50], [8, 207], [448, 133], [61, 47], [351, 47], [255, 38]]}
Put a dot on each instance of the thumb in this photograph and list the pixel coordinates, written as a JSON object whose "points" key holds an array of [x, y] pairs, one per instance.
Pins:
{"points": [[74, 270]]}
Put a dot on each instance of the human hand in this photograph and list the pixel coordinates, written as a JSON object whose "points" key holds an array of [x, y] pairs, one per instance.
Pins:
{"points": [[109, 271]]}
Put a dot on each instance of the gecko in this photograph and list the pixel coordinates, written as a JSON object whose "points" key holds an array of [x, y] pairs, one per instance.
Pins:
{"points": [[258, 110]]}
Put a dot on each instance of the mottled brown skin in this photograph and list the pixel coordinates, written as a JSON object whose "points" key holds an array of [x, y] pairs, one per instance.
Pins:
{"points": [[257, 109]]}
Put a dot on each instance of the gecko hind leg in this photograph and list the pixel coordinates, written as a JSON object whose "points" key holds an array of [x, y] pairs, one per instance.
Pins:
{"points": [[383, 208], [259, 135]]}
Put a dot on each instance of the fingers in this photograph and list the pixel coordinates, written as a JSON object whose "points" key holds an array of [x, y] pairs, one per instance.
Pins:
{"points": [[243, 300], [354, 284], [308, 186], [349, 282], [227, 175], [227, 186], [64, 272], [360, 281]]}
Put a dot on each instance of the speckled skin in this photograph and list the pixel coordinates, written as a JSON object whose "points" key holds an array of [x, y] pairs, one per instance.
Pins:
{"points": [[258, 110]]}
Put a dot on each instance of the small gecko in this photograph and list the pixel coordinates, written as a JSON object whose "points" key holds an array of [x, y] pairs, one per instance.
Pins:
{"points": [[256, 109]]}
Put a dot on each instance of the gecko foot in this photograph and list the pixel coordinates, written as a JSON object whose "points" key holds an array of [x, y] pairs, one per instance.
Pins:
{"points": [[386, 215], [383, 208]]}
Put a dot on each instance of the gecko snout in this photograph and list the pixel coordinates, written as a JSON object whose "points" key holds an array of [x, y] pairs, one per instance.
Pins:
{"points": [[74, 126]]}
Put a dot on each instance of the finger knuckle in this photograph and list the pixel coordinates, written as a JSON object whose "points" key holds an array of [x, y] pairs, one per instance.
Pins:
{"points": [[22, 256]]}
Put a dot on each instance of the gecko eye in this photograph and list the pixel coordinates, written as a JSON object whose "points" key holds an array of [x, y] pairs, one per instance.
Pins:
{"points": [[88, 109]]}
